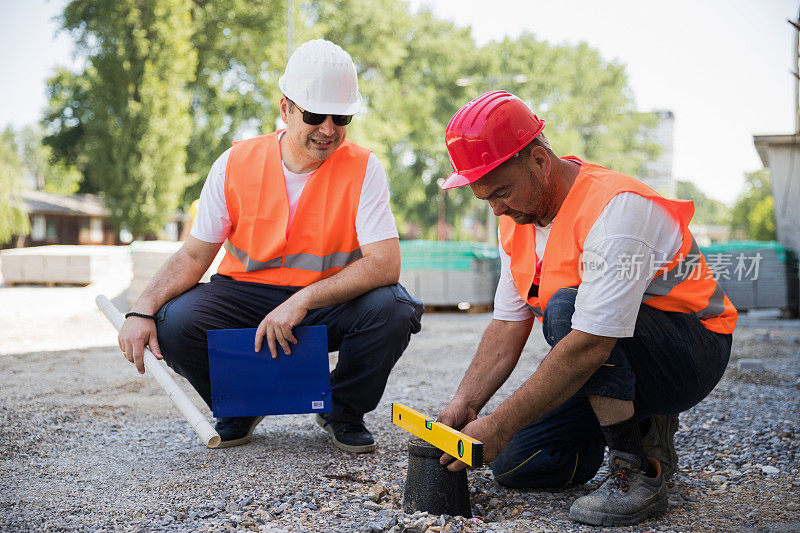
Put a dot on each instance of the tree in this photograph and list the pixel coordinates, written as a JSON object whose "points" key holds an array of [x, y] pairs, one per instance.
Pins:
{"points": [[409, 63], [586, 100], [13, 220], [410, 94], [64, 132], [414, 83], [241, 53], [48, 173], [706, 210], [128, 110], [754, 210]]}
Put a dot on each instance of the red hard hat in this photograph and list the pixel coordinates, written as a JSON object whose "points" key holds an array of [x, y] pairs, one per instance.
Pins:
{"points": [[485, 132]]}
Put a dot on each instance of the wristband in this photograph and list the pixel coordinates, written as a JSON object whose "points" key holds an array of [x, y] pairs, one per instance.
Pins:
{"points": [[140, 315]]}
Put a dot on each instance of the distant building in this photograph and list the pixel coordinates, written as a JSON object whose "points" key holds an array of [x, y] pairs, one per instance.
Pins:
{"points": [[658, 173], [781, 154], [77, 219], [57, 219]]}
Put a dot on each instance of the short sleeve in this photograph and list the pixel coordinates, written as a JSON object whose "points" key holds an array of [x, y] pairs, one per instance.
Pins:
{"points": [[212, 223], [374, 220], [633, 237]]}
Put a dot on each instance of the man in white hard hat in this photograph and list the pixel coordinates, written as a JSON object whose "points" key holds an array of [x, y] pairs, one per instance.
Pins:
{"points": [[309, 238]]}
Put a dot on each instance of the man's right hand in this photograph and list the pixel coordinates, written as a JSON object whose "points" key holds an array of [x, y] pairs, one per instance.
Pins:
{"points": [[457, 414], [136, 334]]}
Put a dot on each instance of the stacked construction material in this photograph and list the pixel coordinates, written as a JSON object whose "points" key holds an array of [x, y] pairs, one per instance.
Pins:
{"points": [[62, 264], [756, 274], [445, 273], [148, 256]]}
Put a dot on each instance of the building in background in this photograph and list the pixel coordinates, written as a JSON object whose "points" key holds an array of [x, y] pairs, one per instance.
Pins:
{"points": [[658, 173], [77, 219], [57, 219], [781, 154]]}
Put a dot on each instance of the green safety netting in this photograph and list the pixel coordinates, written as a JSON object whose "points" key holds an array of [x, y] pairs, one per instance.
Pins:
{"points": [[445, 255]]}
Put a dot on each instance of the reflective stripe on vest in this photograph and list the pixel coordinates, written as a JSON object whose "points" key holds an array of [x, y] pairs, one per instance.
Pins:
{"points": [[322, 237], [662, 284], [317, 263], [250, 265], [310, 262], [685, 284]]}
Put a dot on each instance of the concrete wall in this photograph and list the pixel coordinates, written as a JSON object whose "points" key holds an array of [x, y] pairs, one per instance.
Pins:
{"points": [[784, 164]]}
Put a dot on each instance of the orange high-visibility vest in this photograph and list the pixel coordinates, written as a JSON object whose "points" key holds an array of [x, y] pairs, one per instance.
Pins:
{"points": [[322, 237], [685, 284]]}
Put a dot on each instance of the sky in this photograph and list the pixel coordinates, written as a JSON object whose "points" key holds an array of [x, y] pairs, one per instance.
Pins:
{"points": [[721, 66]]}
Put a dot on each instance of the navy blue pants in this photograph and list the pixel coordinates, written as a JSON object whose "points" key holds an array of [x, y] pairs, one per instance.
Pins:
{"points": [[670, 364], [370, 332]]}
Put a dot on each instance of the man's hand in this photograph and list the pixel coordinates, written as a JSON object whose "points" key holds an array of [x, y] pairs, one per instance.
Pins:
{"points": [[135, 335], [486, 430], [180, 273], [277, 326], [457, 414]]}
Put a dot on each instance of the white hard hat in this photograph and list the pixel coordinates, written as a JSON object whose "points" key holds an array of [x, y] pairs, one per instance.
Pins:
{"points": [[320, 77]]}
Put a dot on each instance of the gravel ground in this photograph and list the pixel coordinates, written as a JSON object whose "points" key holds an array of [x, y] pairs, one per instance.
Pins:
{"points": [[88, 444]]}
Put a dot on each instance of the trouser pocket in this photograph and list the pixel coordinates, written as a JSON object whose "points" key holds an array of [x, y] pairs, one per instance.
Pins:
{"points": [[401, 294]]}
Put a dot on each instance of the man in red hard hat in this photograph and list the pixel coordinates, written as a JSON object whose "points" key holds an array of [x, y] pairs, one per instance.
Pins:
{"points": [[638, 326]]}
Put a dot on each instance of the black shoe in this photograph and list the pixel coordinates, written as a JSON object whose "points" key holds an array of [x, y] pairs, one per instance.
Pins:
{"points": [[236, 430], [354, 438]]}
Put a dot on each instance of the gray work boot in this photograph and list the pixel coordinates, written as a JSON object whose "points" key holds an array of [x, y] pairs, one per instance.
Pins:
{"points": [[659, 443], [626, 496]]}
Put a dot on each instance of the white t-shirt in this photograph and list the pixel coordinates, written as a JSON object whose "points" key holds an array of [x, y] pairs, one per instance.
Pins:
{"points": [[374, 219], [633, 237]]}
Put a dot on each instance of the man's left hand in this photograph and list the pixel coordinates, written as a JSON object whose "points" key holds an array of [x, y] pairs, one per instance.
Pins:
{"points": [[277, 325], [486, 430]]}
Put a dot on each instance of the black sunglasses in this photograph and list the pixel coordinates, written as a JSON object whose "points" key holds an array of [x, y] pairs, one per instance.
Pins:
{"points": [[315, 119]]}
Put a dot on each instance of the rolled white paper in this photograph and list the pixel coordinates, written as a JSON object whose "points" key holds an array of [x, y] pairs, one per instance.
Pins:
{"points": [[152, 367]]}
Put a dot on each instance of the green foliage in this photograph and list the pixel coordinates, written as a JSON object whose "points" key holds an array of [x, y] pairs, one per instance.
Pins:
{"points": [[130, 117], [706, 210], [408, 83], [124, 119], [48, 173], [13, 221], [64, 119], [754, 210], [586, 100], [241, 53]]}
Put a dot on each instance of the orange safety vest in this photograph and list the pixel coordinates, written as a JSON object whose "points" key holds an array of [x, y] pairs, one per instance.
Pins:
{"points": [[685, 284], [322, 238]]}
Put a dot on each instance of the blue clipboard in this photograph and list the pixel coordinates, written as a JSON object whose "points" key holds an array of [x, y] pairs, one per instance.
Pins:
{"points": [[249, 383]]}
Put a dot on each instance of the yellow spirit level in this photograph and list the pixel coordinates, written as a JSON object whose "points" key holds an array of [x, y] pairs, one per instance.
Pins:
{"points": [[457, 444]]}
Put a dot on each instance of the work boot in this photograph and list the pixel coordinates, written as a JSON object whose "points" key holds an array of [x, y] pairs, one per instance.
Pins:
{"points": [[659, 443], [236, 430], [626, 496], [353, 438]]}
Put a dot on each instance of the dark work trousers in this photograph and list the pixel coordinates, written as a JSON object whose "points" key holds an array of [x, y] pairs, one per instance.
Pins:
{"points": [[670, 364], [370, 332]]}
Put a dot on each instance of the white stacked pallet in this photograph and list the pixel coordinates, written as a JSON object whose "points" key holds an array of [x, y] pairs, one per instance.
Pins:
{"points": [[61, 264], [446, 288], [148, 256]]}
